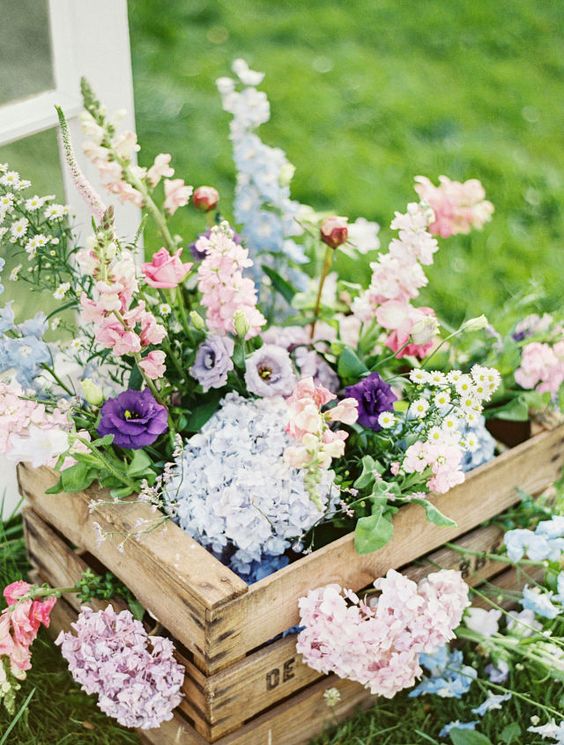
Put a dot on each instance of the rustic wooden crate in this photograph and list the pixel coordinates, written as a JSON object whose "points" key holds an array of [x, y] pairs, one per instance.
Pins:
{"points": [[235, 673]]}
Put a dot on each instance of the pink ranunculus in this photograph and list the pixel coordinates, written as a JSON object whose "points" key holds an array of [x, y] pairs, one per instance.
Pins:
{"points": [[177, 194], [165, 270], [153, 365], [161, 168]]}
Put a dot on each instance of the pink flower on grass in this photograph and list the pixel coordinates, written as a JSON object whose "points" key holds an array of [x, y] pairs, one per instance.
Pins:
{"points": [[177, 194], [165, 271]]}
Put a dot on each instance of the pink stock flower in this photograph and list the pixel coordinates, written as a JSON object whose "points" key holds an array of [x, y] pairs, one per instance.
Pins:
{"points": [[458, 207], [161, 168], [542, 367], [165, 271], [153, 365], [378, 645], [177, 194]]}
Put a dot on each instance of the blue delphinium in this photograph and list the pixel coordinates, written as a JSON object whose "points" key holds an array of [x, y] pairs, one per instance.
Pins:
{"points": [[448, 677], [22, 348]]}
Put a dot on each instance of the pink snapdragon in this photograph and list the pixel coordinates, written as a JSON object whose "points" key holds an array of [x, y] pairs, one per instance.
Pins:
{"points": [[161, 168], [458, 207], [542, 367], [224, 289], [378, 643], [165, 270], [177, 194], [28, 431], [135, 676], [153, 365]]}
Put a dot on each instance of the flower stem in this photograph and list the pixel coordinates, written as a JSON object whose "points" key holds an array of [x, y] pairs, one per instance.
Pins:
{"points": [[327, 262], [494, 557]]}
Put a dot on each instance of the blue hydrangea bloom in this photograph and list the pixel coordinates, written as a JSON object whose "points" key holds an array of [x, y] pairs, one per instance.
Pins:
{"points": [[261, 569], [6, 318], [456, 725], [485, 449], [448, 677]]}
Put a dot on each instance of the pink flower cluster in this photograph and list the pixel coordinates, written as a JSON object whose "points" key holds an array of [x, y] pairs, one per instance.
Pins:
{"points": [[28, 432], [458, 207], [397, 277], [135, 676], [19, 624], [542, 367], [443, 456], [378, 643], [319, 444], [118, 326], [221, 282]]}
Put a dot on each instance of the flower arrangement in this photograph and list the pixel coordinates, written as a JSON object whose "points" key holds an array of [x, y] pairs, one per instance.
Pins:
{"points": [[241, 356]]}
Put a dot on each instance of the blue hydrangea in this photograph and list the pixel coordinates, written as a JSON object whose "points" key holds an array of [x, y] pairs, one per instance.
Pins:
{"points": [[264, 568], [448, 676], [456, 725], [484, 448], [22, 349], [546, 542]]}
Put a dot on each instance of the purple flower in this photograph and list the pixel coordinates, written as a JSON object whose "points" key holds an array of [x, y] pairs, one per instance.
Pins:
{"points": [[269, 372], [135, 676], [134, 418], [374, 396], [213, 362]]}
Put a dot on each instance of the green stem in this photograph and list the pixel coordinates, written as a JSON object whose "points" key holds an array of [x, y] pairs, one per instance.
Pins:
{"points": [[152, 208], [494, 557], [327, 262], [107, 464], [57, 379]]}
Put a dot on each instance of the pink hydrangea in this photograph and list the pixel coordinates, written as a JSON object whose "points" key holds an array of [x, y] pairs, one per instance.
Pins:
{"points": [[135, 676], [542, 367], [458, 207], [378, 644], [223, 287]]}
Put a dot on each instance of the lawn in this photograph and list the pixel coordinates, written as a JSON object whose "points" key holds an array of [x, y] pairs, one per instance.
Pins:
{"points": [[364, 95]]}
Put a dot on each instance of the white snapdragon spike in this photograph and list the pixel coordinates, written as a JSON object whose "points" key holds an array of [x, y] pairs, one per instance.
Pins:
{"points": [[231, 489]]}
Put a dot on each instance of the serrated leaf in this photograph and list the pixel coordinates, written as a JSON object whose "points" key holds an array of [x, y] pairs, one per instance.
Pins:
{"points": [[371, 533], [468, 737], [350, 367], [434, 515]]}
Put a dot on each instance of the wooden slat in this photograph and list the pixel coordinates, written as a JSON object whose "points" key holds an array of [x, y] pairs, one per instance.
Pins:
{"points": [[270, 606], [171, 574]]}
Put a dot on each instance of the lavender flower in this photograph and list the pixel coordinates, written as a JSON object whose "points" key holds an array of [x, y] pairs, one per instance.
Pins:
{"points": [[134, 418], [213, 362], [269, 372], [135, 676], [374, 396]]}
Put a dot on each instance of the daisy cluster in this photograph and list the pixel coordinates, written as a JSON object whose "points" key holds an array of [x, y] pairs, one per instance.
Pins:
{"points": [[379, 643], [232, 490], [135, 676], [445, 406]]}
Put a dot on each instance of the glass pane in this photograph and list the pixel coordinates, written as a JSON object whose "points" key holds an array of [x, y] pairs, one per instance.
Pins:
{"points": [[25, 49], [36, 159]]}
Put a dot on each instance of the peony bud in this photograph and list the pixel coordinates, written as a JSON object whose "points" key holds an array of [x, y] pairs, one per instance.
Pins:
{"points": [[475, 324], [197, 321], [240, 323], [205, 198], [334, 231], [93, 394]]}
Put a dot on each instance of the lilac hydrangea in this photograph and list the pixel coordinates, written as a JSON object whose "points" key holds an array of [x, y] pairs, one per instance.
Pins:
{"points": [[134, 418], [269, 372], [135, 676], [213, 362], [231, 489], [374, 396]]}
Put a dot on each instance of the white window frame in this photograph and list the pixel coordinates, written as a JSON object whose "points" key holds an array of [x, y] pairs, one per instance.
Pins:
{"points": [[89, 38]]}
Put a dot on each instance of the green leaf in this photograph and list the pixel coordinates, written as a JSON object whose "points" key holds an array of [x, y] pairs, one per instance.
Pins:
{"points": [[350, 367], [280, 284], [366, 477], [515, 410], [468, 737], [510, 734], [121, 492], [137, 610], [56, 488], [103, 442], [78, 477], [434, 515], [135, 379], [371, 533], [202, 413], [140, 464]]}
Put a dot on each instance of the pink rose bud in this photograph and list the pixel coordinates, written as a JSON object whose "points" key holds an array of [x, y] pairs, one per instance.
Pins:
{"points": [[165, 270], [205, 198], [334, 231]]}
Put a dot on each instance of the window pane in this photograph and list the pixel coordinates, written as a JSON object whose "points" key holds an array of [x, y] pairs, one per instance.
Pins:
{"points": [[37, 159], [25, 50]]}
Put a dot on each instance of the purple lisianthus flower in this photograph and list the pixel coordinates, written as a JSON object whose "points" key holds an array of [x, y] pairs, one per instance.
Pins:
{"points": [[213, 362], [269, 372], [134, 418], [374, 396]]}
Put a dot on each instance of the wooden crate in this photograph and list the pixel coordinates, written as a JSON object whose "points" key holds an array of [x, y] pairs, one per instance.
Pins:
{"points": [[239, 682]]}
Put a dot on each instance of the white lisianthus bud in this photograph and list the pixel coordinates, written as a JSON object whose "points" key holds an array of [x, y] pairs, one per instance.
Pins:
{"points": [[424, 330], [92, 392], [240, 323], [475, 324]]}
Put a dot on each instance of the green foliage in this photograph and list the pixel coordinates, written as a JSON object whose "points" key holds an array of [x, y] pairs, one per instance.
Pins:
{"points": [[373, 532], [468, 737]]}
